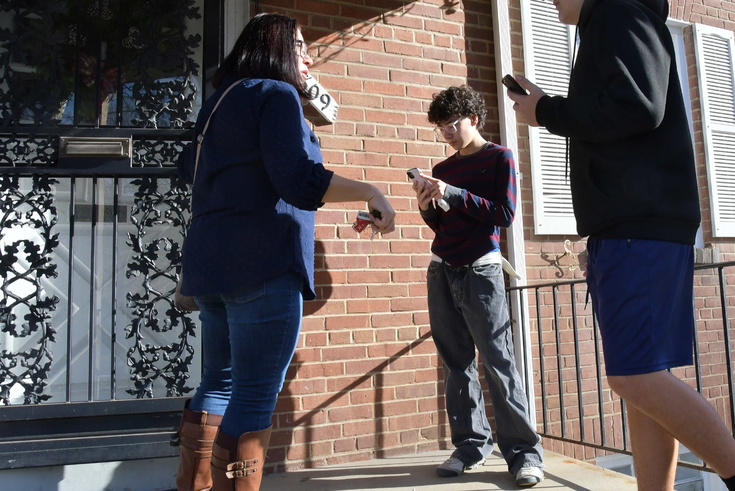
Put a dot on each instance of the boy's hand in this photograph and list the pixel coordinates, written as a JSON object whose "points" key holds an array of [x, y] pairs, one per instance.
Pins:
{"points": [[422, 194], [437, 187], [525, 105]]}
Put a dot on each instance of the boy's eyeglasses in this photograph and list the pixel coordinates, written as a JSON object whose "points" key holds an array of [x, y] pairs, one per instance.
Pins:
{"points": [[449, 128], [302, 49]]}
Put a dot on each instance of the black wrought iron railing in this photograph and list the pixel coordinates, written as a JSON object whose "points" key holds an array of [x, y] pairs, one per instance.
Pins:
{"points": [[94, 354], [574, 405]]}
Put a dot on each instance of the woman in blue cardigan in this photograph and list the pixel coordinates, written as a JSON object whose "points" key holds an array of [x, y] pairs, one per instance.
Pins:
{"points": [[249, 253]]}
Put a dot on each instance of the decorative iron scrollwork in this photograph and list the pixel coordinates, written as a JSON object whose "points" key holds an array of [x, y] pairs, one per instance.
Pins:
{"points": [[27, 151], [27, 244], [157, 262], [98, 62], [98, 66], [149, 152]]}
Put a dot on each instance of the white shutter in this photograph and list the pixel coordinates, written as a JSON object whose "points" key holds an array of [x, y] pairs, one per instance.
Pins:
{"points": [[714, 49], [548, 46]]}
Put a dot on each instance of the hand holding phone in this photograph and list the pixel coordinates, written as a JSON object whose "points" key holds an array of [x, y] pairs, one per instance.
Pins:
{"points": [[513, 85], [415, 175]]}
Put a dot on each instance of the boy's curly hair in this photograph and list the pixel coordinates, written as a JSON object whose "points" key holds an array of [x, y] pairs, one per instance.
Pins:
{"points": [[457, 101]]}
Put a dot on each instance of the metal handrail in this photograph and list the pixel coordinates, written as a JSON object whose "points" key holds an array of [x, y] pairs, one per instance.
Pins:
{"points": [[570, 423]]}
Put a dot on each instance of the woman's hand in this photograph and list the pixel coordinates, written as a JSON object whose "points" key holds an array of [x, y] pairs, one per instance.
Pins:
{"points": [[342, 189], [384, 219]]}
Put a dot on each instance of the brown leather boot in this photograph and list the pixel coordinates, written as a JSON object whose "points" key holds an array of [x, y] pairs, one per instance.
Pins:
{"points": [[237, 463], [196, 437]]}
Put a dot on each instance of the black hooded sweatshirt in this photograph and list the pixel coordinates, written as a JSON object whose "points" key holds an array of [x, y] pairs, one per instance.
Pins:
{"points": [[631, 160]]}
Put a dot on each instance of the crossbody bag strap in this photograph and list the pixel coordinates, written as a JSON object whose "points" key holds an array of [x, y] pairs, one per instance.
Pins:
{"points": [[200, 137]]}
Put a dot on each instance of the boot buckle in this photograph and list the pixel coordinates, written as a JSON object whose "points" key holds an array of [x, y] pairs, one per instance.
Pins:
{"points": [[241, 468]]}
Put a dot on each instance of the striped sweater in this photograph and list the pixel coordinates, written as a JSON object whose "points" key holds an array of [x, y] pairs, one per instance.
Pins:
{"points": [[481, 189]]}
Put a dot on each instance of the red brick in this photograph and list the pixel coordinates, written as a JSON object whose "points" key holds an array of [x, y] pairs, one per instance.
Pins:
{"points": [[368, 72], [343, 353], [350, 413]]}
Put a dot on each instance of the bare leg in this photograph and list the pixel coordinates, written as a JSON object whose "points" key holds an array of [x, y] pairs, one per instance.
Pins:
{"points": [[655, 452], [683, 412]]}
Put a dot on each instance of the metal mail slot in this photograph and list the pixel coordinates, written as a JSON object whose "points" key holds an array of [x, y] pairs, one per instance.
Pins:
{"points": [[71, 146]]}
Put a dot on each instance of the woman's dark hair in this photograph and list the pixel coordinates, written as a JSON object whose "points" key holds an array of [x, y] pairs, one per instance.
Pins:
{"points": [[457, 101], [266, 48]]}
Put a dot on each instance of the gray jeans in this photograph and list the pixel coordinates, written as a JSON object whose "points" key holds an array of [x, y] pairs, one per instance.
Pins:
{"points": [[467, 309]]}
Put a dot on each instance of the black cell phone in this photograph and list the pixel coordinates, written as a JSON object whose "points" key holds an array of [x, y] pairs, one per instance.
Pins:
{"points": [[513, 85]]}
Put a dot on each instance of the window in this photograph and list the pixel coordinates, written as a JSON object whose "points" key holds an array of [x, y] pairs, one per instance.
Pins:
{"points": [[548, 46], [714, 51]]}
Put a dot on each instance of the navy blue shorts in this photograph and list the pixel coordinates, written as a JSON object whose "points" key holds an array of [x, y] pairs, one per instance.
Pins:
{"points": [[643, 296]]}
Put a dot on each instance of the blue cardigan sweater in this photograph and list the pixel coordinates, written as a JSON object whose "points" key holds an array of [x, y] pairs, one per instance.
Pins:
{"points": [[259, 180]]}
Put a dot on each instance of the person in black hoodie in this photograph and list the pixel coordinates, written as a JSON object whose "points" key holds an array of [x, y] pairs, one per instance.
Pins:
{"points": [[634, 192]]}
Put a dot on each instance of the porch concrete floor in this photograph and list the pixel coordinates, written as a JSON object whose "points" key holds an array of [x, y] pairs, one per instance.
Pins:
{"points": [[415, 472]]}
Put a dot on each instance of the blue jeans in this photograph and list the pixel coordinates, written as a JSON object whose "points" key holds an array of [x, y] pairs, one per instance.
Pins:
{"points": [[248, 340], [467, 309]]}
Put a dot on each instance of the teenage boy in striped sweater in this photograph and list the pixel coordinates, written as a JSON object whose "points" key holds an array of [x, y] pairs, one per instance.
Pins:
{"points": [[466, 290]]}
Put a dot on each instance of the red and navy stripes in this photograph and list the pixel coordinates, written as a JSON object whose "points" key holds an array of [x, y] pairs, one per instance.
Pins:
{"points": [[482, 193]]}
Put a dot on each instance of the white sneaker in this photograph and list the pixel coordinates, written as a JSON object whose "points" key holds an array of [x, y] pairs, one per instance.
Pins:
{"points": [[453, 467], [529, 476]]}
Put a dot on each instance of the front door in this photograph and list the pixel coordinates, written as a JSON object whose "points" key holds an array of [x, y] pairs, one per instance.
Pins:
{"points": [[96, 99]]}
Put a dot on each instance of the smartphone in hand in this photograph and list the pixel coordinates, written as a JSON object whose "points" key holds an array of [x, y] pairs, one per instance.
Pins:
{"points": [[513, 85], [415, 175]]}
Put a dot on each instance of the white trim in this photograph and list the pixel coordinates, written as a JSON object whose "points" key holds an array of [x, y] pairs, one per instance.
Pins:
{"points": [[672, 22], [676, 28], [516, 241], [236, 15]]}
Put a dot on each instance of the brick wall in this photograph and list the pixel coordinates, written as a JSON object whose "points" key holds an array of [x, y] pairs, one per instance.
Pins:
{"points": [[366, 381]]}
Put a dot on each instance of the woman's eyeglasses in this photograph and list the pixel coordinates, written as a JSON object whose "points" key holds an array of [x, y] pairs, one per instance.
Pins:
{"points": [[449, 128], [302, 49]]}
